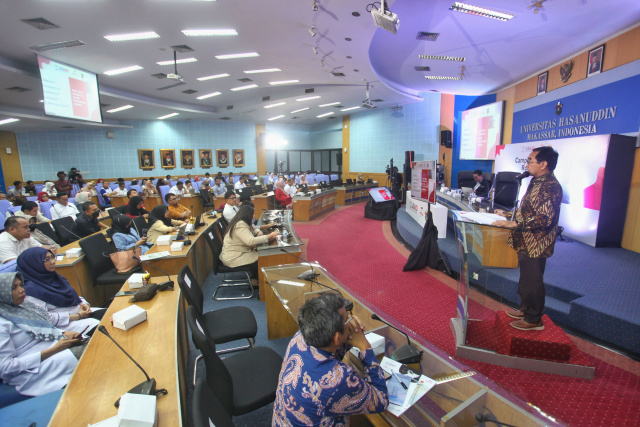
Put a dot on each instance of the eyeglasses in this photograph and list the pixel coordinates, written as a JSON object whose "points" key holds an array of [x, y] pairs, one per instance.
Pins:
{"points": [[49, 259], [348, 320]]}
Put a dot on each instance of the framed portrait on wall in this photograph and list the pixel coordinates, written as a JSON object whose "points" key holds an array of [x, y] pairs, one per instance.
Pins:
{"points": [[146, 159], [205, 158], [596, 57], [238, 158], [222, 158], [542, 83], [186, 159], [168, 158]]}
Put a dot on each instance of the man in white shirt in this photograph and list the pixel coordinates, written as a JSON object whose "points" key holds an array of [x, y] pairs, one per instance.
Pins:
{"points": [[17, 191], [231, 206], [16, 239], [290, 188], [240, 184], [63, 208], [219, 189], [121, 191], [178, 189]]}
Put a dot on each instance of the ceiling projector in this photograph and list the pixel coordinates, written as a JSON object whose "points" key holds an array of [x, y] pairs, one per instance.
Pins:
{"points": [[174, 77], [368, 104], [386, 20]]}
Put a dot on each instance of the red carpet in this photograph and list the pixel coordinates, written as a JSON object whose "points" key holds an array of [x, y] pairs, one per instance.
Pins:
{"points": [[355, 250]]}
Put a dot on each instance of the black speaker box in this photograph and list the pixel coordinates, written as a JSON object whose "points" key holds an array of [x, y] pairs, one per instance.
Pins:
{"points": [[445, 138]]}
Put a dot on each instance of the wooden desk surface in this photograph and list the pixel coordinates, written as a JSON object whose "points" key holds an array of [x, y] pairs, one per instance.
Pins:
{"points": [[185, 250], [104, 373]]}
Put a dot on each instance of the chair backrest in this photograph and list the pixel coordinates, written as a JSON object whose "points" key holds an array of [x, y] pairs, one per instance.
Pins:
{"points": [[96, 251], [220, 227], [63, 230], [113, 185], [32, 198], [206, 200], [39, 188], [127, 185], [215, 244], [137, 188], [196, 185], [269, 187], [218, 377], [14, 209], [489, 177], [206, 409], [45, 228], [191, 288], [334, 177], [113, 212], [140, 223], [164, 190], [311, 180], [465, 179], [101, 200], [505, 189], [45, 207]]}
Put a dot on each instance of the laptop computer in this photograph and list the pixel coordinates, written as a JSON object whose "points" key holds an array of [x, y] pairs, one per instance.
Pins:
{"points": [[466, 191]]}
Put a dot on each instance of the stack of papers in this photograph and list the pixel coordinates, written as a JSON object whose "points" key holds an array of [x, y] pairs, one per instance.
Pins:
{"points": [[480, 218], [155, 256], [401, 399]]}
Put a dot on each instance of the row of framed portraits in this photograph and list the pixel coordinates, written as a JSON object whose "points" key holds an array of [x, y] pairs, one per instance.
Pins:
{"points": [[188, 160], [594, 66]]}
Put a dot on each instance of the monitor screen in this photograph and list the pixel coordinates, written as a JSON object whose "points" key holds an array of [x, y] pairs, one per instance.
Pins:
{"points": [[381, 194], [69, 92], [481, 132]]}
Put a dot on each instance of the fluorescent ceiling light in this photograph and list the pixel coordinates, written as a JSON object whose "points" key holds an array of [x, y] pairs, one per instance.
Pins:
{"points": [[350, 108], [237, 55], [209, 95], [167, 116], [274, 105], [443, 58], [326, 105], [132, 36], [302, 109], [443, 78], [265, 70], [115, 110], [123, 70], [244, 87], [6, 121], [196, 33], [179, 61], [308, 98], [276, 117], [216, 76], [284, 82], [480, 11], [325, 114]]}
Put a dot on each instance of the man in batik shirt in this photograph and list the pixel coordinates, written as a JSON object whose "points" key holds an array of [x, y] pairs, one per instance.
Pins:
{"points": [[315, 386], [535, 228]]}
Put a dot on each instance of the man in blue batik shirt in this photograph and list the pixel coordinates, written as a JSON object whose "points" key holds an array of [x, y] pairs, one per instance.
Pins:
{"points": [[315, 386]]}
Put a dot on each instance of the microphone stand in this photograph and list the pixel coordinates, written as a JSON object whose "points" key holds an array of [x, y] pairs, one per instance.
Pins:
{"points": [[407, 353]]}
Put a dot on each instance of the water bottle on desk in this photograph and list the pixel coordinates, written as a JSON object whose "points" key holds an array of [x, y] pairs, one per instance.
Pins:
{"points": [[285, 235]]}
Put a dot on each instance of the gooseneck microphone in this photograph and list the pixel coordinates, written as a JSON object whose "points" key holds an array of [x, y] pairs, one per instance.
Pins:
{"points": [[523, 175], [407, 353], [482, 418], [161, 286]]}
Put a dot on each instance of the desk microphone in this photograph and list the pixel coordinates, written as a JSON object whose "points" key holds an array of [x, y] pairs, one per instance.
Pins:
{"points": [[161, 286], [147, 387], [482, 418], [408, 353]]}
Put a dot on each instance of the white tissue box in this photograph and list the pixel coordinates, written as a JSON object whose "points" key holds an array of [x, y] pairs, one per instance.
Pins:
{"points": [[164, 240], [377, 344], [129, 317], [74, 253], [137, 410], [135, 280], [189, 228], [177, 246]]}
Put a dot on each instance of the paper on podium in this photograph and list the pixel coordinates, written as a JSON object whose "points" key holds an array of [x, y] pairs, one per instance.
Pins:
{"points": [[480, 218], [416, 389], [155, 256]]}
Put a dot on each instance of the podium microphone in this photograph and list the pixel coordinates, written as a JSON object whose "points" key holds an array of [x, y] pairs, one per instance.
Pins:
{"points": [[161, 286], [147, 387], [406, 354], [307, 275]]}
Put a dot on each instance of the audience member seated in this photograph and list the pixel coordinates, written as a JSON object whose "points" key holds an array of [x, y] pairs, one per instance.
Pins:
{"points": [[240, 241], [272, 179], [161, 182], [63, 208], [43, 197], [218, 188], [31, 210], [360, 179], [176, 210], [40, 237], [121, 191], [30, 188], [16, 191], [49, 188], [231, 205], [240, 184], [205, 184], [315, 385], [148, 189], [35, 356], [290, 187], [15, 239], [222, 178], [230, 178], [132, 193], [106, 192], [62, 185], [17, 201], [90, 187], [52, 293], [124, 236], [82, 197], [135, 208], [87, 222], [161, 223], [283, 198], [260, 180], [3, 196], [303, 179], [188, 187], [177, 189], [482, 186]]}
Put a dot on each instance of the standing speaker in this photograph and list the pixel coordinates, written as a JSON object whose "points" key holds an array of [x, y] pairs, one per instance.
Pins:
{"points": [[339, 159], [445, 138]]}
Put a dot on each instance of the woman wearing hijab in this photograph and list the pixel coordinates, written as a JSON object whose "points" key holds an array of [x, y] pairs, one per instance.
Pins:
{"points": [[52, 293], [135, 208], [125, 236], [82, 197], [161, 223], [159, 184], [148, 189], [35, 356], [49, 188], [43, 197]]}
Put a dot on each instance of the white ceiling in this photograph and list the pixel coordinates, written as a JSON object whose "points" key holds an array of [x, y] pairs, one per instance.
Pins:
{"points": [[497, 53]]}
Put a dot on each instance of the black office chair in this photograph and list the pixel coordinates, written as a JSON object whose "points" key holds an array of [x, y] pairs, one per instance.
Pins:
{"points": [[96, 251], [114, 212], [140, 223], [206, 199], [220, 228], [243, 382], [240, 276], [63, 230], [206, 409], [45, 228], [269, 187], [489, 177], [505, 190], [465, 179]]}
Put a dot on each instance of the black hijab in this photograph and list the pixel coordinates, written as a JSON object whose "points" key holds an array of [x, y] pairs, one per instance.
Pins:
{"points": [[132, 208], [157, 214]]}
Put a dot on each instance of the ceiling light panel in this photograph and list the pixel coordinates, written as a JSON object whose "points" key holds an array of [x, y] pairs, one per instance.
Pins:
{"points": [[179, 61], [443, 58], [7, 121], [167, 116], [123, 70], [308, 98], [216, 76], [284, 82], [326, 105], [132, 36], [58, 45], [243, 87], [115, 110], [277, 104], [266, 70], [480, 11], [325, 114], [302, 109], [204, 33], [350, 108], [443, 77], [276, 117], [238, 55], [209, 95]]}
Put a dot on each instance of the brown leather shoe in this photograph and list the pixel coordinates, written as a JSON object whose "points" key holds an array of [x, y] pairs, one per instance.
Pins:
{"points": [[525, 326], [516, 314]]}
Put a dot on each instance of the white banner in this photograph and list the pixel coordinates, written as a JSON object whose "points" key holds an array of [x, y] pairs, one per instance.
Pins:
{"points": [[423, 180]]}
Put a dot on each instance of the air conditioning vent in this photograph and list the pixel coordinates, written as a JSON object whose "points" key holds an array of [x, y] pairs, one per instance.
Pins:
{"points": [[225, 118], [159, 75], [172, 86], [295, 117], [338, 106], [422, 68], [18, 89], [266, 98], [104, 105], [229, 107], [59, 45], [189, 91], [182, 48], [309, 90], [40, 23], [337, 74], [430, 37], [245, 80], [377, 100]]}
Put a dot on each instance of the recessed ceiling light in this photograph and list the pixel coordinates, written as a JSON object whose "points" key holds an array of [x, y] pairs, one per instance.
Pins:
{"points": [[238, 55], [196, 33], [167, 116], [308, 98], [275, 105], [350, 108], [284, 82], [324, 115], [179, 61], [326, 105], [443, 77], [216, 76], [123, 70], [276, 117], [480, 11], [5, 121], [115, 110], [244, 87], [302, 109], [132, 36], [266, 70], [209, 95], [443, 58]]}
